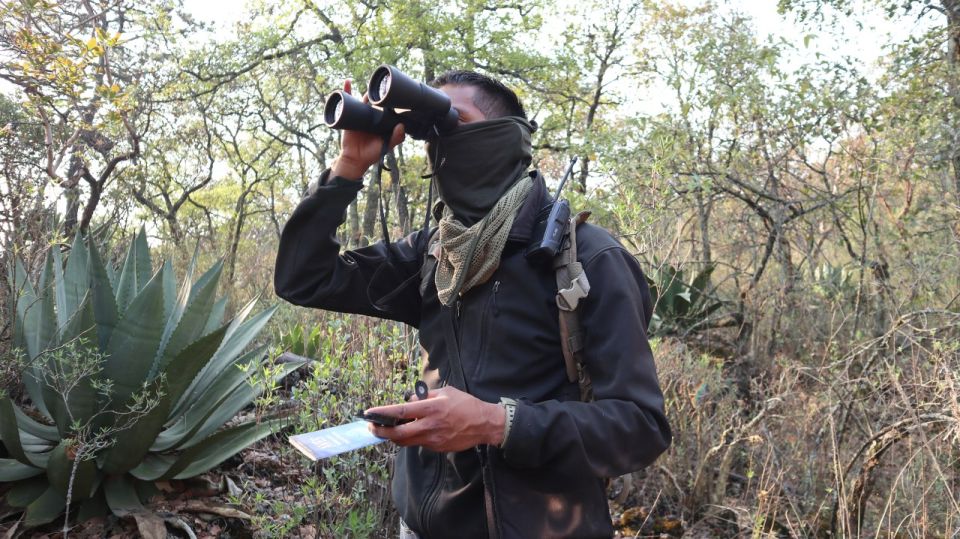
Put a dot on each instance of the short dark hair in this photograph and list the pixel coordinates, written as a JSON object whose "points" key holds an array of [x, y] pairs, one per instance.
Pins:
{"points": [[493, 98]]}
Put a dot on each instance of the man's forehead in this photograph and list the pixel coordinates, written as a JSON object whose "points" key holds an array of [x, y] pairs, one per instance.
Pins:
{"points": [[462, 97]]}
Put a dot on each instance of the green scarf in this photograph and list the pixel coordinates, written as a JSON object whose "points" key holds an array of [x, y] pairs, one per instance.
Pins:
{"points": [[470, 255]]}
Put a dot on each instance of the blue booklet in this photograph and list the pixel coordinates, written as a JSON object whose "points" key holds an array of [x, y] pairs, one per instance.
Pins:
{"points": [[324, 443]]}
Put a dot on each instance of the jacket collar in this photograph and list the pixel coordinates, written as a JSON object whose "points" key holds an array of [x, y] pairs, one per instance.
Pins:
{"points": [[526, 219]]}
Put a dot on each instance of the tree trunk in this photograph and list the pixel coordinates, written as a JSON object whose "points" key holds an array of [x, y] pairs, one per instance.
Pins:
{"points": [[952, 7], [353, 226], [399, 194], [703, 217], [369, 214]]}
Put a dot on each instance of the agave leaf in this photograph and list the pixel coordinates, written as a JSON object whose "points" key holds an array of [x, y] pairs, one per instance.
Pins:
{"points": [[153, 466], [14, 270], [219, 447], [60, 291], [241, 317], [27, 322], [82, 397], [38, 453], [233, 345], [121, 494], [191, 319], [134, 443], [39, 319], [145, 491], [216, 315], [9, 433], [136, 337], [699, 284], [238, 336], [239, 399], [112, 276], [709, 309], [95, 507], [682, 304], [10, 436], [24, 492], [143, 264], [126, 288], [76, 277], [211, 276], [313, 343], [104, 300], [14, 470], [183, 368], [198, 410], [59, 468], [32, 426], [123, 498], [27, 439], [176, 313], [82, 324], [44, 509], [672, 287], [169, 288]]}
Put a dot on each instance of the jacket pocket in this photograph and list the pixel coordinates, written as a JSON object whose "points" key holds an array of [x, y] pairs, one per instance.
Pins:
{"points": [[491, 311]]}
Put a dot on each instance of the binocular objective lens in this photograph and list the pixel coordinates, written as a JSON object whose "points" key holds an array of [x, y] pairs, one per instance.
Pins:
{"points": [[384, 86], [338, 111]]}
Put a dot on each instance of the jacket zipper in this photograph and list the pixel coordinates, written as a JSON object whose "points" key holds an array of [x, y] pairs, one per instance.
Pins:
{"points": [[433, 496], [489, 492], [496, 308], [426, 511]]}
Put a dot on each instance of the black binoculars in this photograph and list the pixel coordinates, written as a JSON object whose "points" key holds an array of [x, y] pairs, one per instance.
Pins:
{"points": [[395, 98]]}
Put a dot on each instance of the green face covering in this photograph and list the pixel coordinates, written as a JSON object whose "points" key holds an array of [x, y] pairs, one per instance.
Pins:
{"points": [[476, 163]]}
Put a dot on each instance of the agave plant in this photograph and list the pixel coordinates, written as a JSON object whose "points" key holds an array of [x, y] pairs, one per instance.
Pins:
{"points": [[160, 376], [300, 343], [680, 306]]}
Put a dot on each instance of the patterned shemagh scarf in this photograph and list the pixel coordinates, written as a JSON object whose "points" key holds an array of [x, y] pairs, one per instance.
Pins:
{"points": [[470, 255]]}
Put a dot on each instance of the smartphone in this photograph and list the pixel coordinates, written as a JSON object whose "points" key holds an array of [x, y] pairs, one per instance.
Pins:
{"points": [[382, 420]]}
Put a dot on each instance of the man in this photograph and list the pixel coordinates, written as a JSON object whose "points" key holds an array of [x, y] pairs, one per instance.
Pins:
{"points": [[502, 446]]}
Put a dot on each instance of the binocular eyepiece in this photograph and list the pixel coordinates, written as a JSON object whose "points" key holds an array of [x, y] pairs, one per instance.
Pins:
{"points": [[395, 98]]}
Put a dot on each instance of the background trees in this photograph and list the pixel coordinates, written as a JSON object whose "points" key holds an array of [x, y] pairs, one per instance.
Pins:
{"points": [[807, 202]]}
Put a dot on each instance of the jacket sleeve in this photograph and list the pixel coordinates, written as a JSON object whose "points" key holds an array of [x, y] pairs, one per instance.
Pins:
{"points": [[311, 271], [625, 427]]}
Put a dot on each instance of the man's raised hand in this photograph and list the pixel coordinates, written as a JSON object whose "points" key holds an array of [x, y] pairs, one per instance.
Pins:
{"points": [[359, 150]]}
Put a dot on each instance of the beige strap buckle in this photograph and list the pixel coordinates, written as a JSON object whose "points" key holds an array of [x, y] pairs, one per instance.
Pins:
{"points": [[569, 298]]}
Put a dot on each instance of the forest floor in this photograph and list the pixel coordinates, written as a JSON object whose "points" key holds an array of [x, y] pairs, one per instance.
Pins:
{"points": [[226, 502]]}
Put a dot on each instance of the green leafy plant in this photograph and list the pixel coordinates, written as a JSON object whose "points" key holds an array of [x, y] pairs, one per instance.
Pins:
{"points": [[834, 282], [680, 306], [298, 342], [132, 383]]}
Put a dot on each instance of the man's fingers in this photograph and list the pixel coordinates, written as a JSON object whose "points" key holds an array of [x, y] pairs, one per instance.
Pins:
{"points": [[406, 434], [347, 87], [407, 410], [399, 134]]}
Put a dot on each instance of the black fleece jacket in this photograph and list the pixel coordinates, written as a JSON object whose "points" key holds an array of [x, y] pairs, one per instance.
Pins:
{"points": [[548, 479]]}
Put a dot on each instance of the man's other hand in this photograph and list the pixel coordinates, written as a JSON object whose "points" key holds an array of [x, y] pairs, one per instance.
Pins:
{"points": [[359, 150], [447, 420]]}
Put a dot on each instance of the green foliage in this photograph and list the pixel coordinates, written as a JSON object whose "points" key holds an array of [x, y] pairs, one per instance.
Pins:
{"points": [[133, 380], [298, 342], [359, 363], [834, 282], [680, 306]]}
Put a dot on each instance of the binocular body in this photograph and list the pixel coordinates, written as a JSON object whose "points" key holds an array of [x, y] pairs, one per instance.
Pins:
{"points": [[395, 98]]}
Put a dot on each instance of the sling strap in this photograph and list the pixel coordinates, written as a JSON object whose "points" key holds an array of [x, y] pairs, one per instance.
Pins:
{"points": [[572, 286]]}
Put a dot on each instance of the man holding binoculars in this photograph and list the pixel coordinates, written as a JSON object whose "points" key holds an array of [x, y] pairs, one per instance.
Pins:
{"points": [[504, 445]]}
